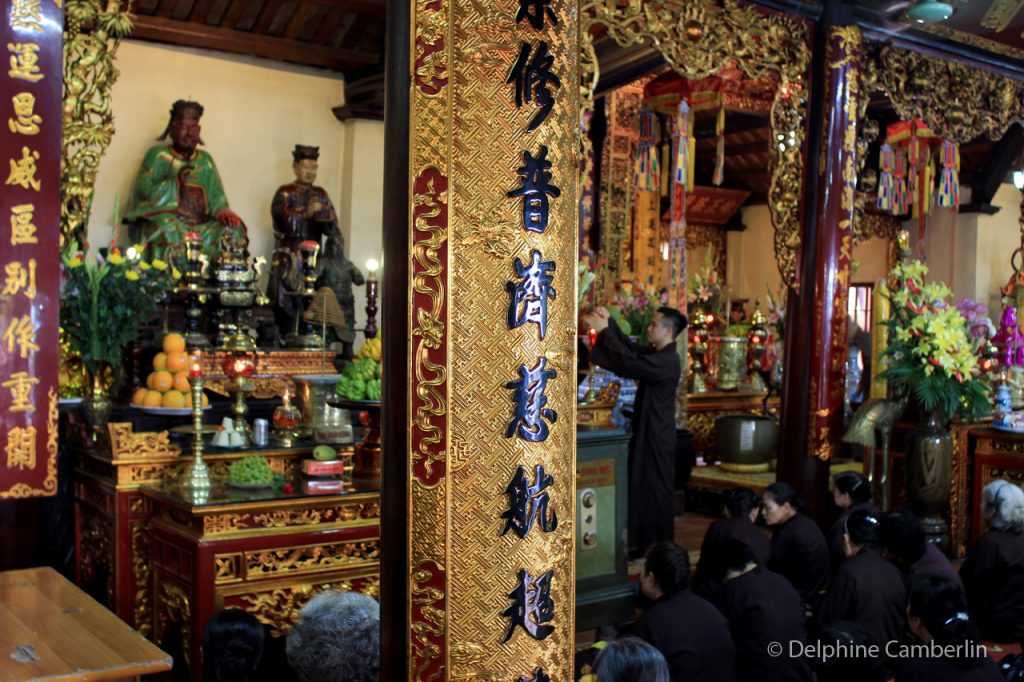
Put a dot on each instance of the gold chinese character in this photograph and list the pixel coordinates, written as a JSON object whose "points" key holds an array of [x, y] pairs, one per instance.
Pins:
{"points": [[21, 447], [19, 278], [21, 385], [23, 171], [23, 230], [27, 122], [27, 14], [21, 332], [24, 61]]}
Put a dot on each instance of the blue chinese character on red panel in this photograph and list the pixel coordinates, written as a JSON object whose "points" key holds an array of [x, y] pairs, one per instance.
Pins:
{"points": [[535, 11], [533, 607], [528, 299], [531, 415], [533, 78], [535, 188]]}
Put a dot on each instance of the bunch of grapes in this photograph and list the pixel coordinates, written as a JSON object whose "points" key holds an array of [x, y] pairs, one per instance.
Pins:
{"points": [[251, 471]]}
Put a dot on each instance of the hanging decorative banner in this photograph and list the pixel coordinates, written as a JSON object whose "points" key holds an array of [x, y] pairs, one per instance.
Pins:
{"points": [[30, 297], [493, 146], [646, 174], [949, 180]]}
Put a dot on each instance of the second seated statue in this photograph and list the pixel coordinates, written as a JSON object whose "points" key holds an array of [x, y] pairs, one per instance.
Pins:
{"points": [[301, 212], [178, 190]]}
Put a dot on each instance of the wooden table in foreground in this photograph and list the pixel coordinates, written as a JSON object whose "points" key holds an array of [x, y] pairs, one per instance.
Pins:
{"points": [[52, 630]]}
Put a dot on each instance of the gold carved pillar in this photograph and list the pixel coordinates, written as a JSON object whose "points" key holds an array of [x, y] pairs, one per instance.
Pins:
{"points": [[489, 470]]}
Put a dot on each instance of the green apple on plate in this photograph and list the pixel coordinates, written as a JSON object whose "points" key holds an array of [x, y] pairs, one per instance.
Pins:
{"points": [[324, 453]]}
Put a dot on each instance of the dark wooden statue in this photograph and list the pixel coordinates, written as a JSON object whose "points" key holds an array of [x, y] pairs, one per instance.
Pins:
{"points": [[300, 211], [339, 274]]}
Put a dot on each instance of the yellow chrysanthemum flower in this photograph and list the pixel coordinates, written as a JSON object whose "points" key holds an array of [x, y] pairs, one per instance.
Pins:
{"points": [[159, 264], [116, 259], [144, 266], [74, 262], [131, 275]]}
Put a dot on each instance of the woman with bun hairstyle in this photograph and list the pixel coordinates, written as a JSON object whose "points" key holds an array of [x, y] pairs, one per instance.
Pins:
{"points": [[232, 647], [799, 553], [937, 616], [993, 573], [851, 492]]}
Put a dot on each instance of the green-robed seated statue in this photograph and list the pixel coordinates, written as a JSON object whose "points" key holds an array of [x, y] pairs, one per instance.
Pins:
{"points": [[178, 189]]}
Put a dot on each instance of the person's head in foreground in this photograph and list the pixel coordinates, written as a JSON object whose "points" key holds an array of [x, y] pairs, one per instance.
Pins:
{"points": [[232, 646], [1002, 505], [845, 652], [666, 571], [336, 639], [631, 660], [937, 612]]}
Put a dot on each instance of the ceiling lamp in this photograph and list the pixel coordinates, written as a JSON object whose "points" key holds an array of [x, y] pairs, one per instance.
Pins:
{"points": [[928, 11]]}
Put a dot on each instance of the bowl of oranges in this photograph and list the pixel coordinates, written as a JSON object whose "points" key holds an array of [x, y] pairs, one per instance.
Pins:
{"points": [[168, 391]]}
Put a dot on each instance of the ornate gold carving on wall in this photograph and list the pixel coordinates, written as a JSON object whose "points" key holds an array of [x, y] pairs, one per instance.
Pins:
{"points": [[622, 108], [263, 388], [467, 141], [173, 606], [291, 560], [227, 568], [876, 226], [92, 32], [279, 608], [140, 569], [124, 443], [956, 100], [697, 39]]}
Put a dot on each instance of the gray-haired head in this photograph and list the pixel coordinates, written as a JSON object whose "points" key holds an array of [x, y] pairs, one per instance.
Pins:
{"points": [[336, 639], [1003, 503]]}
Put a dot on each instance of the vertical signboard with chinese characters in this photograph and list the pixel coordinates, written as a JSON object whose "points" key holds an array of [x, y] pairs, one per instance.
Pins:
{"points": [[30, 106], [494, 212]]}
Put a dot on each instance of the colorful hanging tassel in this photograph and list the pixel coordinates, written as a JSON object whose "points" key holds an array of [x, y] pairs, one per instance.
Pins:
{"points": [[949, 180], [901, 199], [646, 167], [719, 173], [886, 184], [685, 146]]}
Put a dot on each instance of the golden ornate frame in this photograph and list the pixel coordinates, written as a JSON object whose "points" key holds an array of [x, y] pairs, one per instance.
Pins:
{"points": [[698, 39], [93, 31]]}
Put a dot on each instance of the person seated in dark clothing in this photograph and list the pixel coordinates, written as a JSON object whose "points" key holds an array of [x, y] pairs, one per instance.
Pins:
{"points": [[867, 589], [993, 573], [762, 608], [903, 543], [690, 632], [799, 553], [630, 660], [844, 652], [851, 492], [232, 647], [741, 512], [937, 615]]}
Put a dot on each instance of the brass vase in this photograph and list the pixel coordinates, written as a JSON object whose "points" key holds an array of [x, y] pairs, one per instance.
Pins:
{"points": [[730, 357], [930, 475], [97, 404]]}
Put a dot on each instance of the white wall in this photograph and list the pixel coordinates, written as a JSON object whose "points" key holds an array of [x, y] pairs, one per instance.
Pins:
{"points": [[256, 111], [361, 206], [751, 271]]}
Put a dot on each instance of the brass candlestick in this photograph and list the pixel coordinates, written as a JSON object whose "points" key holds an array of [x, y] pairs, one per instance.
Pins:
{"points": [[757, 335], [239, 365], [371, 297], [197, 480]]}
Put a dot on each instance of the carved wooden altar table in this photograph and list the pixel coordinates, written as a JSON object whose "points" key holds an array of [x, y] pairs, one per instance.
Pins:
{"points": [[265, 551]]}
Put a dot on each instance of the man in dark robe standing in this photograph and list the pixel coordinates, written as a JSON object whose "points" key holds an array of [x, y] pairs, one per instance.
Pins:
{"points": [[652, 450]]}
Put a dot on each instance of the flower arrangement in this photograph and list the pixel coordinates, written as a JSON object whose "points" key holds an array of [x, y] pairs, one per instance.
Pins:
{"points": [[633, 307], [979, 325], [103, 302], [705, 291], [777, 313], [586, 279], [929, 351]]}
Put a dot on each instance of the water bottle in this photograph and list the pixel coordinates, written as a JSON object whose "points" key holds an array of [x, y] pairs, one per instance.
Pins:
{"points": [[260, 433]]}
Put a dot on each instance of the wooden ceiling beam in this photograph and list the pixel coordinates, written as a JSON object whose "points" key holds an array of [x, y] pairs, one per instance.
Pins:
{"points": [[375, 8], [213, 37]]}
